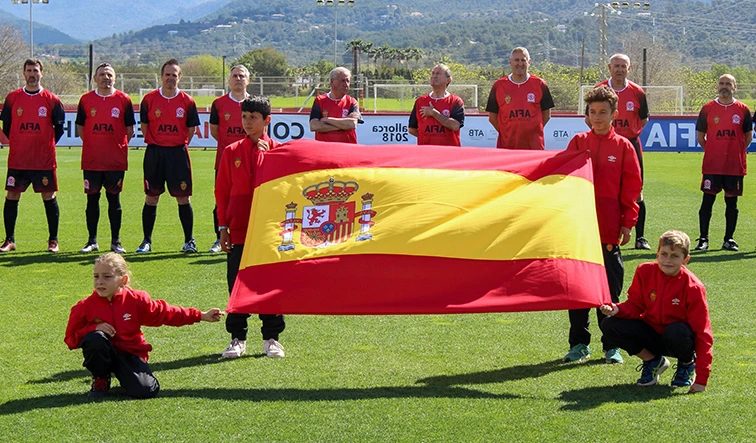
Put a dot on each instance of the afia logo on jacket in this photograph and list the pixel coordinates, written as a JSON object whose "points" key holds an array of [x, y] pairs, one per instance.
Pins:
{"points": [[126, 317]]}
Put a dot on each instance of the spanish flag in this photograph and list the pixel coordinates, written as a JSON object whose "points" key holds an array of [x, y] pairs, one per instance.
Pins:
{"points": [[350, 229]]}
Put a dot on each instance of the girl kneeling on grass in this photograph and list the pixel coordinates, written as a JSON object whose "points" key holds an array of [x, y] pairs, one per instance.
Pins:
{"points": [[107, 327]]}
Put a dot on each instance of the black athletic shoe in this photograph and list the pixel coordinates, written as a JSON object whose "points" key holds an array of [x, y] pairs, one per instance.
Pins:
{"points": [[642, 243], [730, 245], [703, 244]]}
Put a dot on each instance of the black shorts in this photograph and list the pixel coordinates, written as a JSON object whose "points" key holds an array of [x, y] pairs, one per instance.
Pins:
{"points": [[112, 181], [638, 153], [169, 166], [18, 180], [714, 183]]}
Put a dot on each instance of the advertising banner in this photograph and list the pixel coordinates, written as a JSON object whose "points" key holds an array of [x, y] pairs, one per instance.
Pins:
{"points": [[661, 134]]}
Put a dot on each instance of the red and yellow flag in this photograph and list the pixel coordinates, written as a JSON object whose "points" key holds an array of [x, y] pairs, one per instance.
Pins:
{"points": [[349, 229]]}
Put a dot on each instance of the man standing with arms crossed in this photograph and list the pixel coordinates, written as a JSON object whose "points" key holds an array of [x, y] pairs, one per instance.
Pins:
{"points": [[632, 118], [168, 117], [334, 115], [226, 125], [33, 120], [519, 105], [724, 131], [437, 117], [105, 121]]}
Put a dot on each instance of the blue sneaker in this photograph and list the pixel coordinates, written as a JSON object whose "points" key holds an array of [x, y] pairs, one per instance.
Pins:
{"points": [[144, 247], [651, 370], [577, 353], [682, 374], [613, 356], [189, 247]]}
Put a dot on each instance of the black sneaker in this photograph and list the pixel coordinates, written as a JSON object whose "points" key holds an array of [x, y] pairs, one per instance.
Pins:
{"points": [[703, 244], [100, 388], [730, 245], [642, 243]]}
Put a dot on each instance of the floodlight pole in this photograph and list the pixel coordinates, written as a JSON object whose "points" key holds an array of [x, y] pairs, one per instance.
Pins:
{"points": [[31, 21], [336, 4], [604, 9]]}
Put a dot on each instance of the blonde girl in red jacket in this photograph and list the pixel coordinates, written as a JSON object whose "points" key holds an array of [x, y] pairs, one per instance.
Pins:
{"points": [[107, 327]]}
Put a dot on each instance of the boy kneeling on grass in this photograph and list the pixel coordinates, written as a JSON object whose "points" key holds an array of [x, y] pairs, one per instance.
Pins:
{"points": [[666, 313]]}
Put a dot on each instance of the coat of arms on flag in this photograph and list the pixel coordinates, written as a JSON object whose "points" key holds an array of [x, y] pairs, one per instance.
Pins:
{"points": [[331, 217]]}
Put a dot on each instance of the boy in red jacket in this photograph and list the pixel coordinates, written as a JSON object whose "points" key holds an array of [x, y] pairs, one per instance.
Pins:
{"points": [[666, 313], [617, 185], [234, 186], [107, 327]]}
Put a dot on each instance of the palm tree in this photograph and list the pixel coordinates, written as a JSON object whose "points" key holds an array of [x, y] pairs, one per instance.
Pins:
{"points": [[366, 49], [355, 45]]}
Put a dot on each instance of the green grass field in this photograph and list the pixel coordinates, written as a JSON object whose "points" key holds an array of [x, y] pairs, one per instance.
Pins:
{"points": [[493, 377]]}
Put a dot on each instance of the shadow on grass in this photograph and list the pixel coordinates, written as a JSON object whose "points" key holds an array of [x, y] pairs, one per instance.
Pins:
{"points": [[261, 395], [714, 256], [157, 367], [595, 396], [505, 374], [215, 259], [16, 259]]}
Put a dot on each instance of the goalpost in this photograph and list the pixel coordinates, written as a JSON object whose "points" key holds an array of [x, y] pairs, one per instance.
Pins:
{"points": [[403, 96], [662, 99], [196, 92]]}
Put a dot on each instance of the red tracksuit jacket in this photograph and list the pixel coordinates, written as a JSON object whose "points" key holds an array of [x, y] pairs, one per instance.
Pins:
{"points": [[659, 300], [616, 181], [127, 312], [234, 185]]}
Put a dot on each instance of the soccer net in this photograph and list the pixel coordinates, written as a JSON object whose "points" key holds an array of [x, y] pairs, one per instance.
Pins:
{"points": [[401, 97], [196, 92], [661, 99]]}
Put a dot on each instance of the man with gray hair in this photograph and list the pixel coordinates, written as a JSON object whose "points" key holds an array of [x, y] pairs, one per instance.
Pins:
{"points": [[226, 125], [335, 114], [437, 117], [632, 116], [519, 105]]}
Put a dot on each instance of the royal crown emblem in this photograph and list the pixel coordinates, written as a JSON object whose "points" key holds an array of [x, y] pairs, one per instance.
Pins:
{"points": [[93, 112], [20, 111], [227, 116], [158, 113], [331, 218]]}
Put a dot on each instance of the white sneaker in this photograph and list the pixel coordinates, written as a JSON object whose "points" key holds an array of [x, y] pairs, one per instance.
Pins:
{"points": [[216, 247], [236, 349], [272, 348], [89, 247]]}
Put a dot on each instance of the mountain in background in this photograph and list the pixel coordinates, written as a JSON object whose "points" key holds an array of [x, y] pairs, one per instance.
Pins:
{"points": [[480, 32], [89, 20], [43, 34]]}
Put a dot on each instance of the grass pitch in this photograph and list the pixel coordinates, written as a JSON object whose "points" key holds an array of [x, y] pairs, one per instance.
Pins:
{"points": [[493, 377]]}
